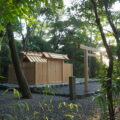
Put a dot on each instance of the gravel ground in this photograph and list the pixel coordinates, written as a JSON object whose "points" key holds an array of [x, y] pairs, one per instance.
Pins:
{"points": [[92, 87], [42, 107]]}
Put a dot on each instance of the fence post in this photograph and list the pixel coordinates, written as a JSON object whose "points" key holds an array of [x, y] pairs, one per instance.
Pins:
{"points": [[72, 88], [86, 70]]}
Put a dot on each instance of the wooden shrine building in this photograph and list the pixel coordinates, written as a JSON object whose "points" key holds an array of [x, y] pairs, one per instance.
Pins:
{"points": [[43, 68]]}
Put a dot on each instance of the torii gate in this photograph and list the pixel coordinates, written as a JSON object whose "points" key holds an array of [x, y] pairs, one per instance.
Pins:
{"points": [[86, 69]]}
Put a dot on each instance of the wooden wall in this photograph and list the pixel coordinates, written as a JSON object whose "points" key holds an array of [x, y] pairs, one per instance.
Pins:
{"points": [[41, 73], [54, 71], [29, 71], [11, 75], [67, 71]]}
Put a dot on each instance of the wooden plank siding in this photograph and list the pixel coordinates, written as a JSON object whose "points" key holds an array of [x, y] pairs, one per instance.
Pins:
{"points": [[41, 73], [53, 71], [11, 75], [29, 71], [67, 71]]}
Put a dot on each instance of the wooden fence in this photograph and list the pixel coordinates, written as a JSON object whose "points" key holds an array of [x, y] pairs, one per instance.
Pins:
{"points": [[29, 71], [44, 73]]}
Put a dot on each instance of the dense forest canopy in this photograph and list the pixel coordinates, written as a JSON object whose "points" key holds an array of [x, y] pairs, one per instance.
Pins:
{"points": [[50, 26], [60, 30]]}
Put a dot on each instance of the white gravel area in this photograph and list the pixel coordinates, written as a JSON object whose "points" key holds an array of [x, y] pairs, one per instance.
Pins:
{"points": [[46, 107]]}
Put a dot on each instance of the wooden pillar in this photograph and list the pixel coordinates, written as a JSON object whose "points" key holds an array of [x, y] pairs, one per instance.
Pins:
{"points": [[72, 88], [86, 70], [63, 72]]}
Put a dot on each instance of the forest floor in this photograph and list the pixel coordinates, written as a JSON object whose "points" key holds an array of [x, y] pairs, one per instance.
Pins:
{"points": [[46, 107]]}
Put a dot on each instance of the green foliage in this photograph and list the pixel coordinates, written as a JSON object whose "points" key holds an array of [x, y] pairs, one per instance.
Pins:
{"points": [[48, 108], [64, 36], [4, 60], [2, 77], [47, 90], [6, 91], [116, 78], [76, 58], [18, 46], [76, 29], [25, 9], [16, 93], [6, 117], [44, 110], [102, 97], [20, 106], [102, 102], [68, 105], [69, 116], [39, 45]]}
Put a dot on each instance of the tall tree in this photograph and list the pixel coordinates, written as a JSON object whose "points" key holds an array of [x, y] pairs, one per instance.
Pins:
{"points": [[11, 11], [110, 68], [106, 4], [17, 66]]}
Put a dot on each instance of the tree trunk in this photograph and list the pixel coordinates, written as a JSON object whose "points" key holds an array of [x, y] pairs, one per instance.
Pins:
{"points": [[114, 29], [27, 38], [23, 85], [110, 68]]}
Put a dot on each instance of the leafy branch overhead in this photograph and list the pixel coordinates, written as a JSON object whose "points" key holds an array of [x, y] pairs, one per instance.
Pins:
{"points": [[13, 10]]}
